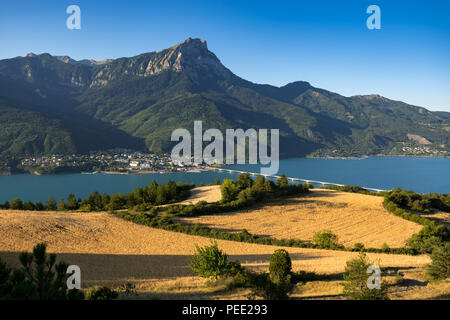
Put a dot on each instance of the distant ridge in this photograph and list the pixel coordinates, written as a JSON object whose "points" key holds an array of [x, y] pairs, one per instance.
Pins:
{"points": [[51, 104]]}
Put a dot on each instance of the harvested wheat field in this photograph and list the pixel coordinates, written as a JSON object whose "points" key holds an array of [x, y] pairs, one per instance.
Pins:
{"points": [[109, 249], [352, 217], [439, 217], [208, 194]]}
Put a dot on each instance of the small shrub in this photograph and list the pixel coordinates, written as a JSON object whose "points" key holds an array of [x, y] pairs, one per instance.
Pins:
{"points": [[128, 289], [86, 208], [325, 239], [263, 287], [277, 284], [139, 208], [280, 265], [16, 204], [209, 261], [430, 237], [358, 247], [282, 181], [229, 190], [101, 293], [356, 281], [440, 265]]}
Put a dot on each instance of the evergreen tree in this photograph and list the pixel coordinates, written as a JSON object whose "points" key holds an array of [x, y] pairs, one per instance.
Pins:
{"points": [[16, 204], [106, 199], [229, 190], [51, 204], [244, 181], [72, 203], [356, 277], [282, 181], [28, 206], [259, 184], [39, 278], [39, 206], [152, 192], [62, 205], [6, 205]]}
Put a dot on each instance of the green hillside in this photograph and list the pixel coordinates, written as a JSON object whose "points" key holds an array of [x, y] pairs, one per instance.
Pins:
{"points": [[137, 102]]}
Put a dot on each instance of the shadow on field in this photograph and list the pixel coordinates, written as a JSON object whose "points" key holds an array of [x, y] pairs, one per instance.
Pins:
{"points": [[112, 267]]}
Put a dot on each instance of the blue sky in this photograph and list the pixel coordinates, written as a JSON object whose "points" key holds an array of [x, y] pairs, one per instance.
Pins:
{"points": [[324, 42]]}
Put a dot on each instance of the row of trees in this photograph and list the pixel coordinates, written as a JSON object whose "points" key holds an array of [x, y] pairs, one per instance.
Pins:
{"points": [[141, 198], [419, 202], [244, 189]]}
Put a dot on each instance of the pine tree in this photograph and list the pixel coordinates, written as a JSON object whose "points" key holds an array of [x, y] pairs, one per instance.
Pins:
{"points": [[62, 205], [51, 204]]}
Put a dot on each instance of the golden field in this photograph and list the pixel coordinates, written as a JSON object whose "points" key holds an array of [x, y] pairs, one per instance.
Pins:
{"points": [[108, 248], [352, 217], [112, 251], [207, 193]]}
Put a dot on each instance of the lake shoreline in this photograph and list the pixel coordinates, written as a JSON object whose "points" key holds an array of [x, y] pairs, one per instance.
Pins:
{"points": [[144, 172], [422, 175]]}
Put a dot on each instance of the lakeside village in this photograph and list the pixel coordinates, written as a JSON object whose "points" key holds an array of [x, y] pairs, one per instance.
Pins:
{"points": [[114, 161]]}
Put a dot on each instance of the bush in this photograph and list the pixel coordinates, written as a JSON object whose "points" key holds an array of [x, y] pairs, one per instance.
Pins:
{"points": [[353, 189], [326, 239], [277, 284], [101, 293], [356, 281], [358, 247], [280, 265], [229, 190], [128, 289], [6, 205], [440, 265], [209, 261], [244, 181], [16, 204], [430, 237], [51, 204], [263, 287], [282, 181], [86, 208], [62, 205], [248, 196]]}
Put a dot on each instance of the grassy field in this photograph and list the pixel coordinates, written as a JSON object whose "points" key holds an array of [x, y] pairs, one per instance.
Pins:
{"points": [[352, 217]]}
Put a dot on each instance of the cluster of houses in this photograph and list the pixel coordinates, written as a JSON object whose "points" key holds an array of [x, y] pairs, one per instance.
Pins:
{"points": [[411, 149], [114, 160]]}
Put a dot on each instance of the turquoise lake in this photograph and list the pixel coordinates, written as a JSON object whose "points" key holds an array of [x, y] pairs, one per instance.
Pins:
{"points": [[412, 173]]}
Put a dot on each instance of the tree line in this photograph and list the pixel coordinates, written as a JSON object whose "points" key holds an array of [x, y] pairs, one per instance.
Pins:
{"points": [[139, 199]]}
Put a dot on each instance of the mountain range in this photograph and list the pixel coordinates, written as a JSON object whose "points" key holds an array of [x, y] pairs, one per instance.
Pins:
{"points": [[55, 104]]}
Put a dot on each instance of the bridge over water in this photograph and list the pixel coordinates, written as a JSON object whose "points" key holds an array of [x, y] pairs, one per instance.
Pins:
{"points": [[323, 183]]}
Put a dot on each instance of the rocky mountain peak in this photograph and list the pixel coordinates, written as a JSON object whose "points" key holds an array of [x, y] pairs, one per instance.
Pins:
{"points": [[191, 43], [193, 57]]}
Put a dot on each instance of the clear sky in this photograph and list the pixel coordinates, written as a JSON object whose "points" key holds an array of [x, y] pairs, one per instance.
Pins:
{"points": [[324, 42]]}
